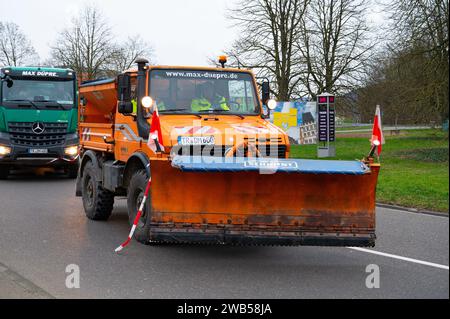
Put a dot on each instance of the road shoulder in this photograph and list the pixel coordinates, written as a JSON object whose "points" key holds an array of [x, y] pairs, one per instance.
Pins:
{"points": [[14, 286], [413, 210]]}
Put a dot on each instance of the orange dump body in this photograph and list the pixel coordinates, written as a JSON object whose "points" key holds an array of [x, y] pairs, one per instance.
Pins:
{"points": [[97, 115]]}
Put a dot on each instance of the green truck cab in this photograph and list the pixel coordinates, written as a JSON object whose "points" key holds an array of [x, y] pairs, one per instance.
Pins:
{"points": [[38, 119]]}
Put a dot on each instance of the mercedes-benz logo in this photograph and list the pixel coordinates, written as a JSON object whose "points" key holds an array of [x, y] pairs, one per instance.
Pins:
{"points": [[38, 128]]}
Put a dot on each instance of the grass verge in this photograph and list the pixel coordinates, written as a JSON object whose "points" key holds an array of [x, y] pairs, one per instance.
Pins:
{"points": [[414, 167]]}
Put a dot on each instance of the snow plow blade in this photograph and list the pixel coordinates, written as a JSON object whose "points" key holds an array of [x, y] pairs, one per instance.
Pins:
{"points": [[263, 201]]}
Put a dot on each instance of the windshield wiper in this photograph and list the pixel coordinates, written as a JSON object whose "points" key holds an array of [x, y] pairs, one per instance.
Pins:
{"points": [[212, 111], [23, 100], [171, 110], [53, 101], [178, 111]]}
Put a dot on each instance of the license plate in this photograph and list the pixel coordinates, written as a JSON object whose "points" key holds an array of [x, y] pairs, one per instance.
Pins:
{"points": [[196, 140], [38, 151]]}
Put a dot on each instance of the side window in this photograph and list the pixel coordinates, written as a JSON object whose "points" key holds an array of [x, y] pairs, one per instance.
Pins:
{"points": [[241, 95], [133, 81]]}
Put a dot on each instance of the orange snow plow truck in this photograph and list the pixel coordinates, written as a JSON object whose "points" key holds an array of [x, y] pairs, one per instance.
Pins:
{"points": [[222, 173]]}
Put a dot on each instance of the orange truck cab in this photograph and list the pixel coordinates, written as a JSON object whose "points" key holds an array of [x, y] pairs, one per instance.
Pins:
{"points": [[223, 174]]}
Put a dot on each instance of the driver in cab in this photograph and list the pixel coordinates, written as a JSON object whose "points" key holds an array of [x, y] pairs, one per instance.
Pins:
{"points": [[208, 99]]}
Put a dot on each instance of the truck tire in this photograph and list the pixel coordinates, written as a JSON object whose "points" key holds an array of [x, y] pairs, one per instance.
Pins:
{"points": [[135, 194], [98, 202], [4, 172]]}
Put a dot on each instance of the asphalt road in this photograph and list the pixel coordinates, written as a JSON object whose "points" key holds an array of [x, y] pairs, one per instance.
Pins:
{"points": [[43, 229]]}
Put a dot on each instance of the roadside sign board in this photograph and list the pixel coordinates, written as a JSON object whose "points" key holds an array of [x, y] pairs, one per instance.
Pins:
{"points": [[326, 125]]}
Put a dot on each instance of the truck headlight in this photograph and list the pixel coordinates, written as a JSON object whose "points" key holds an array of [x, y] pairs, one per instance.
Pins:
{"points": [[71, 150], [272, 104], [147, 102], [4, 150]]}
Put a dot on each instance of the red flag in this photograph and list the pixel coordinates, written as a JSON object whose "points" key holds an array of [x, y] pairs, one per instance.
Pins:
{"points": [[377, 132], [155, 136]]}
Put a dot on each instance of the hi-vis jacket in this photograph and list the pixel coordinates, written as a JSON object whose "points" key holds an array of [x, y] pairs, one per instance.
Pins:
{"points": [[202, 104], [134, 103]]}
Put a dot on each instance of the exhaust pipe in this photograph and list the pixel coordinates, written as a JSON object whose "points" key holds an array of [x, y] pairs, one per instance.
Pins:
{"points": [[142, 124]]}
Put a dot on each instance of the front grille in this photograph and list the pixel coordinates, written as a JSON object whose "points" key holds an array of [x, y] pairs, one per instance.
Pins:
{"points": [[266, 150], [25, 155], [262, 140], [21, 133], [272, 150], [199, 150]]}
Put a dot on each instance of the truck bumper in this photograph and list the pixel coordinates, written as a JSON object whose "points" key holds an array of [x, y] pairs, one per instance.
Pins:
{"points": [[21, 157], [234, 236], [57, 162]]}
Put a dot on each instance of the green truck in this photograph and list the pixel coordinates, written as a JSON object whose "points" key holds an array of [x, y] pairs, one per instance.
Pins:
{"points": [[38, 119]]}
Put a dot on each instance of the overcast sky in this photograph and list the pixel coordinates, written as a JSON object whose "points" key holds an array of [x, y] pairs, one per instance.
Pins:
{"points": [[182, 32]]}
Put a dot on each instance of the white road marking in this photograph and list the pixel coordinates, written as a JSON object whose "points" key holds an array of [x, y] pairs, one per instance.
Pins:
{"points": [[417, 261]]}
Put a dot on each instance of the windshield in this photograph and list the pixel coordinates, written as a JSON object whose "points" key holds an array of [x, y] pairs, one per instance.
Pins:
{"points": [[185, 91], [39, 92]]}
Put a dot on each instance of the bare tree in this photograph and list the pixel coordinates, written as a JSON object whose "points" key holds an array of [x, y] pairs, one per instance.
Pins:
{"points": [[123, 56], [87, 46], [270, 30], [424, 20], [15, 48], [334, 44], [410, 77], [422, 29]]}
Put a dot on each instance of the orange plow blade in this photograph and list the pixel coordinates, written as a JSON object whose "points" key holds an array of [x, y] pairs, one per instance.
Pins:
{"points": [[263, 201]]}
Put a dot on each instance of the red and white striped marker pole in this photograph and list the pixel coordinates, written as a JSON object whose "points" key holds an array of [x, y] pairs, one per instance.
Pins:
{"points": [[136, 220]]}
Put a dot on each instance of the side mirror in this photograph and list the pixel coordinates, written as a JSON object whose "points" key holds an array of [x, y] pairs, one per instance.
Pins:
{"points": [[124, 88], [125, 107], [124, 94], [8, 80], [265, 92]]}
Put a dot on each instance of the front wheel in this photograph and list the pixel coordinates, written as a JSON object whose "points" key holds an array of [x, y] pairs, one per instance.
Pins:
{"points": [[135, 194], [98, 202]]}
